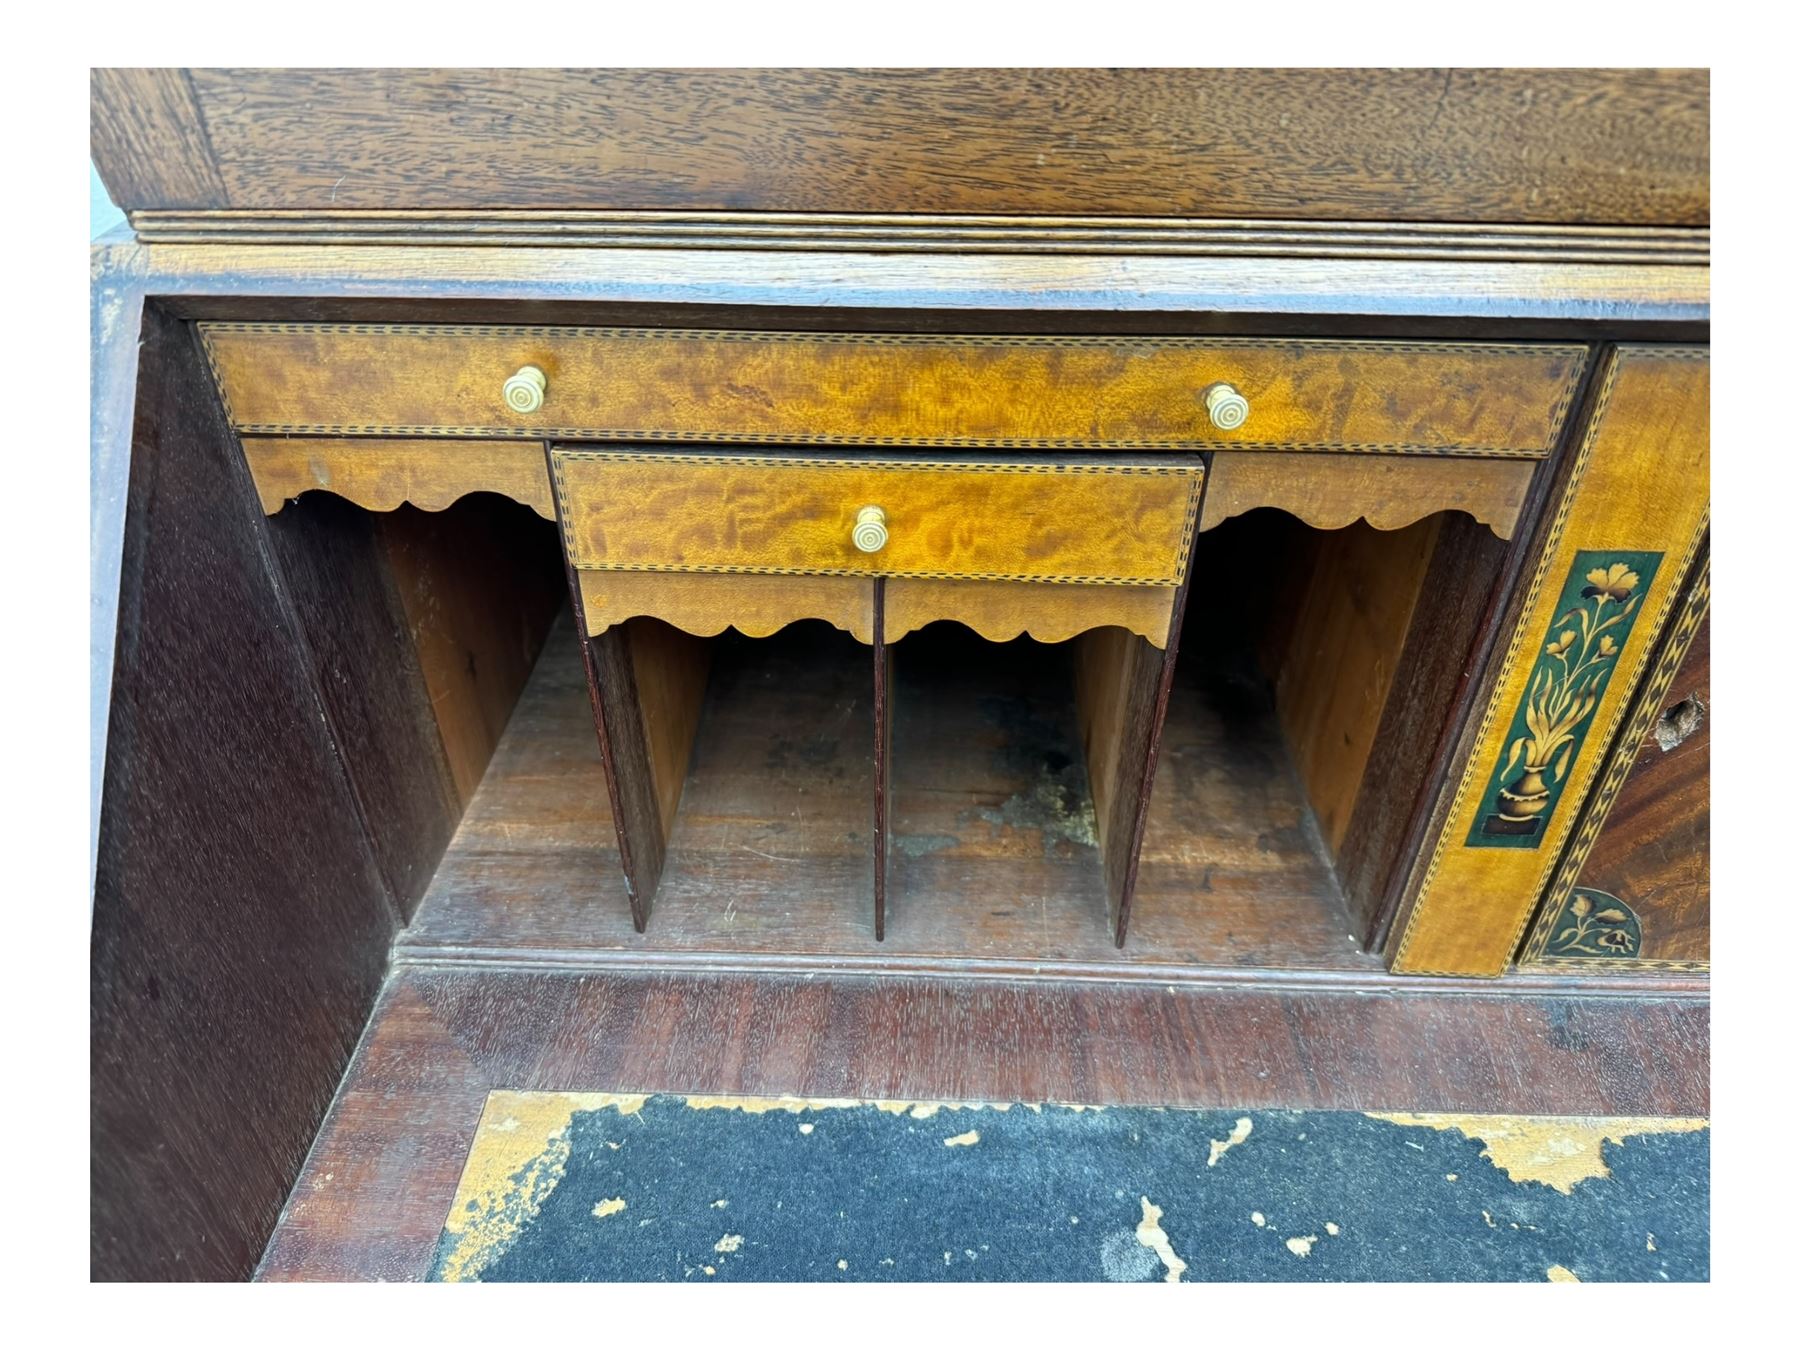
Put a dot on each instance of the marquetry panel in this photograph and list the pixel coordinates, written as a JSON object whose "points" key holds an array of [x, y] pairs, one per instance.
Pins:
{"points": [[1329, 492], [1096, 393], [1626, 528], [381, 474], [1634, 888], [1113, 521]]}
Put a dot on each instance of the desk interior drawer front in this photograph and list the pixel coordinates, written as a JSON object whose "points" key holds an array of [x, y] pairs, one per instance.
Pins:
{"points": [[1091, 393], [1117, 519]]}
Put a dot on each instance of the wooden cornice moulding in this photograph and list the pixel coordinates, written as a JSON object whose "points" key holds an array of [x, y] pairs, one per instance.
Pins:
{"points": [[1329, 492], [871, 233], [207, 281], [1495, 146]]}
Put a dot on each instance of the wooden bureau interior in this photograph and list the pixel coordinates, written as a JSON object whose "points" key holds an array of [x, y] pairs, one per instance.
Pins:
{"points": [[1176, 587], [1121, 679]]}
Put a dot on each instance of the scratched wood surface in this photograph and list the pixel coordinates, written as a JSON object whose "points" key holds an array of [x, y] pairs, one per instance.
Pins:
{"points": [[1603, 146], [380, 1181], [891, 390]]}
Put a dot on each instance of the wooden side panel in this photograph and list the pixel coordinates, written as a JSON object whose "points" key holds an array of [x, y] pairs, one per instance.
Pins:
{"points": [[1642, 856], [1121, 697], [241, 923], [1348, 633], [1628, 523], [1601, 146], [383, 474], [147, 137], [1329, 492], [479, 586], [1460, 585], [669, 671], [1120, 521], [893, 390], [355, 628]]}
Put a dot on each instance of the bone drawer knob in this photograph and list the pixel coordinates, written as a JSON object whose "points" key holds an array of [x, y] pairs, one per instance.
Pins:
{"points": [[524, 392], [870, 534], [1226, 407]]}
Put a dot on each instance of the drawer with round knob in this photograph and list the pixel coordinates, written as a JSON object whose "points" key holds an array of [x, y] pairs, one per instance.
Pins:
{"points": [[893, 390], [1124, 520]]}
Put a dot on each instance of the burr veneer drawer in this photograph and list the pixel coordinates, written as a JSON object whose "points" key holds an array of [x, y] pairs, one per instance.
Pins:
{"points": [[1109, 520], [894, 390]]}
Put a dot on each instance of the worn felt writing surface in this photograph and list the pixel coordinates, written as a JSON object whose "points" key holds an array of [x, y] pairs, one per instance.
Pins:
{"points": [[607, 1186]]}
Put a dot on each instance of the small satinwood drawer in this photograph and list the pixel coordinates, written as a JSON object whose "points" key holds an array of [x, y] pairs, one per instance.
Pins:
{"points": [[1108, 520], [894, 390]]}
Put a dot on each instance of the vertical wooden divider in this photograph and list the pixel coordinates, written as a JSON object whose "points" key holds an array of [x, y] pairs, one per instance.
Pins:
{"points": [[884, 747], [646, 681], [1122, 687]]}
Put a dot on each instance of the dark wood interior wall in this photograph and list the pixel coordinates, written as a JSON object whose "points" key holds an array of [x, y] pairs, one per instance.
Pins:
{"points": [[1620, 147], [241, 921]]}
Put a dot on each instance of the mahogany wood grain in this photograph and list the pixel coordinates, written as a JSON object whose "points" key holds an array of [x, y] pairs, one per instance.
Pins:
{"points": [[891, 390], [382, 710], [1655, 850], [147, 127], [669, 674], [1332, 491], [1426, 691], [1361, 593], [372, 1201], [383, 474], [1604, 146], [241, 920], [883, 713], [479, 585]]}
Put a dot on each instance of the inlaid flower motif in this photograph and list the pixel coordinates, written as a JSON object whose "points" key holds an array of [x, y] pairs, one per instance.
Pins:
{"points": [[1613, 583], [1607, 648], [1564, 641]]}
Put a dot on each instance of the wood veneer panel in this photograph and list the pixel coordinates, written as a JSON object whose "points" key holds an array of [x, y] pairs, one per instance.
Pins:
{"points": [[1329, 492], [384, 474], [1614, 551], [241, 921], [1614, 146], [1013, 519], [381, 1179], [991, 391]]}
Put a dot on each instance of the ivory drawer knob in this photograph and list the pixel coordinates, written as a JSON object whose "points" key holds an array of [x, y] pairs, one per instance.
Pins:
{"points": [[1226, 407], [524, 392], [870, 534]]}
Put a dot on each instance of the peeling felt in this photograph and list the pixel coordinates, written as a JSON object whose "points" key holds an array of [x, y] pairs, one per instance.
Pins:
{"points": [[1126, 1194]]}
